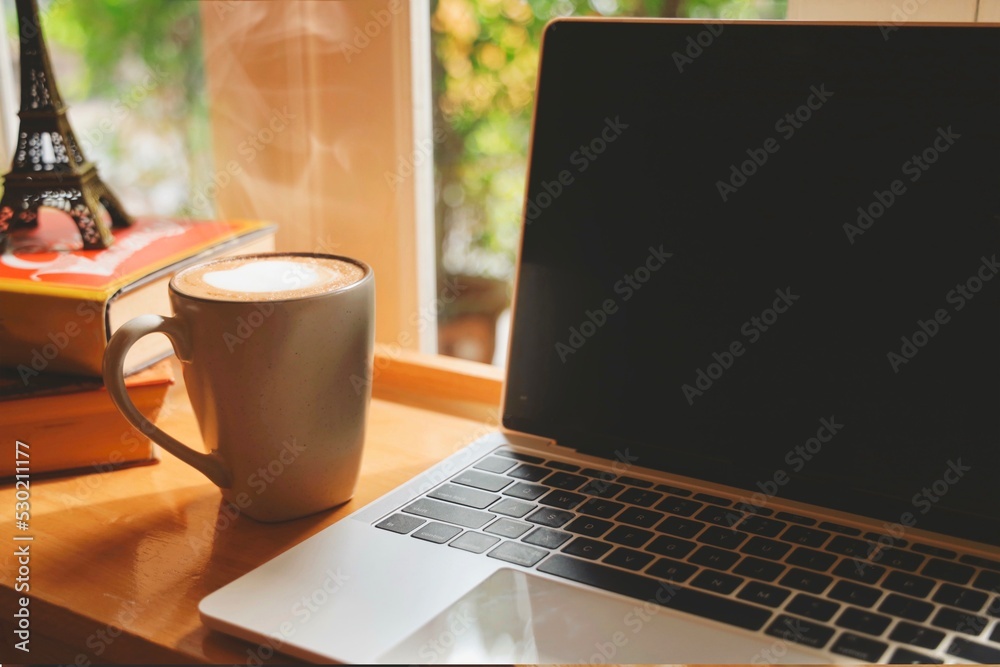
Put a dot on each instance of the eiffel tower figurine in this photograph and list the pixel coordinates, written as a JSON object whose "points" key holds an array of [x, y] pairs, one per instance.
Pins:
{"points": [[49, 168]]}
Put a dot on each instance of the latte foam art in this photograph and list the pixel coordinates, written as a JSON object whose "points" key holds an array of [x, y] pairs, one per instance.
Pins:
{"points": [[268, 278], [269, 275]]}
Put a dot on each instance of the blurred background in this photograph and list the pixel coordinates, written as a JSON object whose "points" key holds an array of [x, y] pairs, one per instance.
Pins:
{"points": [[135, 84]]}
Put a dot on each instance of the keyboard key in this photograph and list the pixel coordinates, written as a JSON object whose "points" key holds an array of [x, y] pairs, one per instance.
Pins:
{"points": [[565, 481], [867, 622], [585, 548], [671, 546], [859, 570], [629, 536], [904, 607], [526, 491], [546, 537], [716, 500], [914, 635], [719, 516], [848, 546], [799, 631], [678, 506], [518, 554], [640, 497], [814, 560], [910, 584], [599, 474], [973, 652], [435, 532], [587, 525], [747, 508], [562, 499], [812, 607], [856, 594], [715, 558], [601, 489], [760, 526], [508, 528], [600, 507], [981, 562], [765, 548], [805, 536], [717, 582], [518, 456], [903, 560], [448, 512], [902, 656], [769, 596], [675, 490], [795, 518], [495, 464], [886, 540], [399, 523], [947, 571], [680, 527], [988, 581], [667, 568], [995, 636], [481, 480], [722, 537], [952, 619], [994, 608], [463, 495], [859, 648], [803, 580], [477, 543], [645, 588], [628, 558], [640, 517], [756, 568], [838, 528], [511, 507], [552, 518], [957, 596], [929, 550], [559, 465], [530, 473], [635, 481]]}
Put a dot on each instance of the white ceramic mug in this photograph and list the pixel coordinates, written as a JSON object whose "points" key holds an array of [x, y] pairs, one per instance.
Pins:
{"points": [[280, 389]]}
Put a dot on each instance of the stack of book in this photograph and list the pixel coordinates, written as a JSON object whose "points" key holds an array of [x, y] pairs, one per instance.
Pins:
{"points": [[59, 305]]}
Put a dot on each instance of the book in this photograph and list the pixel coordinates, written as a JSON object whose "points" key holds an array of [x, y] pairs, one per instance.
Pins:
{"points": [[50, 415], [60, 304]]}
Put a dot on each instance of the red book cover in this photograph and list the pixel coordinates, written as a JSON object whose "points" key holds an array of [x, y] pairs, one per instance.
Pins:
{"points": [[58, 302]]}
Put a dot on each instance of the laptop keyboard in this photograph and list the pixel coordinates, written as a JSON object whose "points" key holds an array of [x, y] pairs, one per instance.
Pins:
{"points": [[828, 586]]}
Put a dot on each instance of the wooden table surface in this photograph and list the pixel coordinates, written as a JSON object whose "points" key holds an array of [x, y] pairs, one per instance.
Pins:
{"points": [[120, 559]]}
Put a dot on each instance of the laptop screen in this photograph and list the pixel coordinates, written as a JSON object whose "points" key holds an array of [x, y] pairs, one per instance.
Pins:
{"points": [[768, 256]]}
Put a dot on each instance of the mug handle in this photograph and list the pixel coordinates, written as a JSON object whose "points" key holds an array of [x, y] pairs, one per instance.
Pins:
{"points": [[210, 465]]}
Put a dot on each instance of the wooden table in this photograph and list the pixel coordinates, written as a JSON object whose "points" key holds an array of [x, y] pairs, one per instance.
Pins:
{"points": [[121, 559]]}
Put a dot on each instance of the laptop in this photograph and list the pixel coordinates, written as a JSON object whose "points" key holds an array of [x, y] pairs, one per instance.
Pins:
{"points": [[751, 401]]}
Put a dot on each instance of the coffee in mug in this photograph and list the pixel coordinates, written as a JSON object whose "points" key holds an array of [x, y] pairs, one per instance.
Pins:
{"points": [[276, 351]]}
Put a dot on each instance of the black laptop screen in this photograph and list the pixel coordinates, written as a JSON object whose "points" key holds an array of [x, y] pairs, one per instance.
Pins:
{"points": [[767, 256]]}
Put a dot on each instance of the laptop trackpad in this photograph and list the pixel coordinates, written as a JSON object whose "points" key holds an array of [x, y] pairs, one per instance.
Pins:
{"points": [[516, 617]]}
